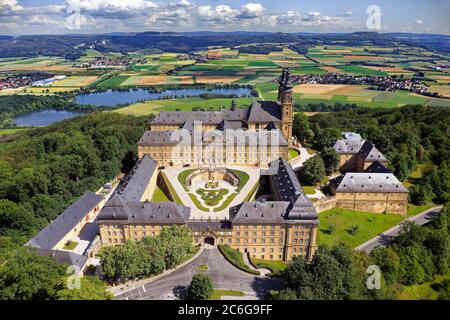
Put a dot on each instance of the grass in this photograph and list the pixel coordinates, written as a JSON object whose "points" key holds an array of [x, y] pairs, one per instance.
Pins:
{"points": [[11, 131], [370, 225], [275, 266], [415, 210], [115, 81], [70, 245], [422, 291], [235, 258], [202, 267], [293, 153], [226, 203], [182, 176], [252, 193], [361, 70], [197, 202], [172, 191], [243, 178], [309, 189], [420, 171], [159, 196], [217, 294]]}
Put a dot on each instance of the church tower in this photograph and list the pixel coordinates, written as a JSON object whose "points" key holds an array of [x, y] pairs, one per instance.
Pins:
{"points": [[285, 92]]}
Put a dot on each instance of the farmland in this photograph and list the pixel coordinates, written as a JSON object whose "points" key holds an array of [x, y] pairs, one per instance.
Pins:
{"points": [[229, 66]]}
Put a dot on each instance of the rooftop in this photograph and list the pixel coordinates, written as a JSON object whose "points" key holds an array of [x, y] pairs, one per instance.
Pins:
{"points": [[118, 211], [368, 182], [136, 182], [49, 237]]}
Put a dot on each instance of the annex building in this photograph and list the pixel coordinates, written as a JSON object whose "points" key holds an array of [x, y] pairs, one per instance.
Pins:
{"points": [[366, 183]]}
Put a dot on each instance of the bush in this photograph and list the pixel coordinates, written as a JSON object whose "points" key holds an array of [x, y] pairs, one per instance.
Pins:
{"points": [[201, 288]]}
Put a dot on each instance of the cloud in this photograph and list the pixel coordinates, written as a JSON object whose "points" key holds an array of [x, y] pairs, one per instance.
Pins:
{"points": [[290, 18], [418, 21], [9, 7], [116, 9], [251, 10], [348, 13], [174, 15]]}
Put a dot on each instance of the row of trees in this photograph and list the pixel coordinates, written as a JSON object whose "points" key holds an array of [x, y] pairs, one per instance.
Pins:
{"points": [[417, 255], [150, 256]]}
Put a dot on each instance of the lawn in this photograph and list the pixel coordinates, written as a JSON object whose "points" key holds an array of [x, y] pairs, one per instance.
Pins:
{"points": [[227, 202], [70, 245], [197, 203], [182, 176], [414, 210], [202, 267], [243, 178], [235, 258], [293, 153], [159, 196], [217, 294], [172, 191], [309, 189], [275, 266], [369, 226]]}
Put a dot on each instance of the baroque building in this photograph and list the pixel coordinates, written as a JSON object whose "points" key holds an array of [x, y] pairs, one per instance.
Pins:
{"points": [[250, 136], [279, 229]]}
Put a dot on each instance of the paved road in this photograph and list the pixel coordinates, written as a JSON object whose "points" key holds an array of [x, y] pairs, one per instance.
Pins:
{"points": [[222, 273], [304, 155], [386, 237]]}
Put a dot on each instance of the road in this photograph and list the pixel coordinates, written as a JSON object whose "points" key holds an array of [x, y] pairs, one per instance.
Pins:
{"points": [[221, 272], [386, 237]]}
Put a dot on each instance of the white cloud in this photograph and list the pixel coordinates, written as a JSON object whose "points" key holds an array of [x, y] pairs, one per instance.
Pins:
{"points": [[290, 18], [251, 10], [9, 7], [348, 13], [418, 21], [142, 15], [117, 9]]}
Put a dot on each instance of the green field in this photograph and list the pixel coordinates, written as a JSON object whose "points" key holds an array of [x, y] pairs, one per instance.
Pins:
{"points": [[112, 82], [361, 71], [369, 224]]}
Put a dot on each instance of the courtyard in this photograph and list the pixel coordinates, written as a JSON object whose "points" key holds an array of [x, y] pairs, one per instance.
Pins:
{"points": [[210, 196]]}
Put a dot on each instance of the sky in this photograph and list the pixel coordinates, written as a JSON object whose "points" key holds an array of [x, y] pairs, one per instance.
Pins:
{"points": [[19, 17]]}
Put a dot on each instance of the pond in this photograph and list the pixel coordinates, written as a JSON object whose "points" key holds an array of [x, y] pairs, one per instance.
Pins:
{"points": [[112, 98], [43, 118]]}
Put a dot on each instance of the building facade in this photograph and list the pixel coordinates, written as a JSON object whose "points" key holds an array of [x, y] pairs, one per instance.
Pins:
{"points": [[250, 136], [273, 230]]}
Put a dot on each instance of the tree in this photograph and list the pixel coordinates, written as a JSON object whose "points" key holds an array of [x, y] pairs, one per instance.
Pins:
{"points": [[301, 128], [285, 294], [388, 261], [201, 287], [91, 288], [330, 159], [26, 276], [313, 170], [421, 194]]}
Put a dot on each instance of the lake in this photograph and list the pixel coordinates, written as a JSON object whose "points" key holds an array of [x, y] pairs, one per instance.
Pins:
{"points": [[112, 98], [43, 118]]}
